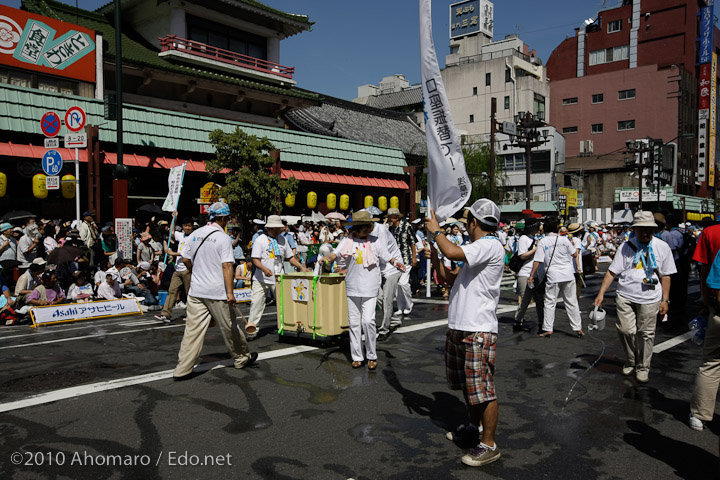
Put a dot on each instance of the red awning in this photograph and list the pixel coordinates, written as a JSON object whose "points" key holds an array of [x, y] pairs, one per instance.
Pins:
{"points": [[35, 151], [345, 179]]}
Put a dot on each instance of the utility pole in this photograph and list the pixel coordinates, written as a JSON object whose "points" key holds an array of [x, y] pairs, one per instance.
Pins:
{"points": [[120, 183], [639, 148], [493, 130]]}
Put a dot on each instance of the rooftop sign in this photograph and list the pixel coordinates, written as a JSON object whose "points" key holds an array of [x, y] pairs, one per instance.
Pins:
{"points": [[41, 44], [470, 17]]}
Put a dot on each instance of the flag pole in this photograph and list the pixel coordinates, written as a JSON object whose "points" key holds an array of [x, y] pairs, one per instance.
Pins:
{"points": [[172, 223]]}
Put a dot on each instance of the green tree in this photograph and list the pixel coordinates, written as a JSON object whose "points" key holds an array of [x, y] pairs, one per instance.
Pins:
{"points": [[477, 164], [251, 188]]}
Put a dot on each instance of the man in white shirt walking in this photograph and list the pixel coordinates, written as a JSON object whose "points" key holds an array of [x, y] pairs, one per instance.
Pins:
{"points": [[643, 264], [473, 326], [208, 255], [269, 252], [181, 276]]}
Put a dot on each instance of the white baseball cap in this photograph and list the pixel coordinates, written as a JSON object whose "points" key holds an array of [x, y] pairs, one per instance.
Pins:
{"points": [[486, 211]]}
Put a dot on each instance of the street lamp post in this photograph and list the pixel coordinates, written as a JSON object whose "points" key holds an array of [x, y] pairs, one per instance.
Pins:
{"points": [[528, 136], [638, 148]]}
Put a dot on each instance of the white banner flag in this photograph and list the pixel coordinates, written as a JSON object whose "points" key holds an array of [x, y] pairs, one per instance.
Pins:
{"points": [[448, 184], [175, 180]]}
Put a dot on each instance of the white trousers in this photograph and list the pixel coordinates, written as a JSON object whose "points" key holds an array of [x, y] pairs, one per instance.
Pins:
{"points": [[361, 316], [258, 295], [569, 295], [404, 295]]}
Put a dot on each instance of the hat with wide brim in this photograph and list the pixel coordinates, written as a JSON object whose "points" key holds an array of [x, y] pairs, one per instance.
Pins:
{"points": [[574, 228], [644, 219], [394, 212], [274, 221], [361, 218]]}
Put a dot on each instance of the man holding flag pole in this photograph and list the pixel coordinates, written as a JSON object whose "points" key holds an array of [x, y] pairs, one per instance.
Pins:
{"points": [[181, 276], [472, 320]]}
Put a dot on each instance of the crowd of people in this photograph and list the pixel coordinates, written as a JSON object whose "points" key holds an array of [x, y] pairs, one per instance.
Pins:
{"points": [[48, 262]]}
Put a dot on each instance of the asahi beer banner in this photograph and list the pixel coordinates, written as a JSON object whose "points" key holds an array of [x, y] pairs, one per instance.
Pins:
{"points": [[175, 180], [242, 295], [42, 44], [448, 184], [73, 312]]}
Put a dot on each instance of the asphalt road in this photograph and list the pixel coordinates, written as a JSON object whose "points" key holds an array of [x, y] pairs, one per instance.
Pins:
{"points": [[95, 400]]}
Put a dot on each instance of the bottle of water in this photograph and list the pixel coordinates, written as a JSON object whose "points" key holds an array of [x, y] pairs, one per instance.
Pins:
{"points": [[696, 322], [699, 337]]}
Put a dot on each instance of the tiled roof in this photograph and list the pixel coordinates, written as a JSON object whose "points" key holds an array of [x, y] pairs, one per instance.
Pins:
{"points": [[136, 51], [181, 132], [109, 8], [409, 97], [340, 118]]}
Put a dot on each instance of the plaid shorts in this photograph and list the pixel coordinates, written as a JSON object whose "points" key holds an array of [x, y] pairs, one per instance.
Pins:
{"points": [[470, 364]]}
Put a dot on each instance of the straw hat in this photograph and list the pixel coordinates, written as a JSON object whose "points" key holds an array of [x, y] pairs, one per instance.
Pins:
{"points": [[361, 218], [394, 212], [574, 228]]}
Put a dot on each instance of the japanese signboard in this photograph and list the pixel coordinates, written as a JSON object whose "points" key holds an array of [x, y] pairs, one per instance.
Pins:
{"points": [[73, 312], [242, 295], [712, 127], [175, 179], [704, 90], [471, 16], [702, 145], [124, 233], [42, 44], [707, 24], [449, 187], [571, 195], [648, 196]]}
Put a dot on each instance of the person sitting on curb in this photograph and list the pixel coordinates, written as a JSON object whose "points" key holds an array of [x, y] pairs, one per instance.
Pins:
{"points": [[109, 289], [48, 293]]}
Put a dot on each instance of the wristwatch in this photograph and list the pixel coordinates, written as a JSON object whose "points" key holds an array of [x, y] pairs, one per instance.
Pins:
{"points": [[435, 235], [666, 301]]}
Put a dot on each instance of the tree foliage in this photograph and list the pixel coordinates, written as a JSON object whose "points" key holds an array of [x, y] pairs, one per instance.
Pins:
{"points": [[251, 188], [477, 164]]}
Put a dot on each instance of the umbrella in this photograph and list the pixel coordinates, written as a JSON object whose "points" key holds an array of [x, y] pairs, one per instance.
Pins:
{"points": [[64, 254], [335, 216], [17, 215], [373, 210], [151, 208]]}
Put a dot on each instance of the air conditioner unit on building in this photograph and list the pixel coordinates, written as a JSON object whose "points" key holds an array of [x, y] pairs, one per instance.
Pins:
{"points": [[586, 147], [511, 198]]}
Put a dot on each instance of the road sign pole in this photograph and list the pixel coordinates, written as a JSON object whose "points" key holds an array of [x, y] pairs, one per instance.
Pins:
{"points": [[77, 186]]}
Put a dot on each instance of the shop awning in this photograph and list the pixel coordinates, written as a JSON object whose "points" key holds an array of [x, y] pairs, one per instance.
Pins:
{"points": [[36, 151], [362, 181], [132, 160]]}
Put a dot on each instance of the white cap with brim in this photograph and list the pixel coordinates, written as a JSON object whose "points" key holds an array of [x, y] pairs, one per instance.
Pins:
{"points": [[644, 219], [486, 211]]}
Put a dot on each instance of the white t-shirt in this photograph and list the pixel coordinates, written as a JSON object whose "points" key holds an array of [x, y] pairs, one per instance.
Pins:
{"points": [[561, 262], [383, 234], [271, 253], [207, 280], [502, 236], [630, 279], [180, 238], [476, 292], [361, 281], [577, 243], [525, 243]]}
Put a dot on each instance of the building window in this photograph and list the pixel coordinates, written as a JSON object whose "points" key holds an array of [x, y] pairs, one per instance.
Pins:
{"points": [[614, 26], [539, 106], [626, 94], [596, 128], [570, 129], [507, 103], [508, 75], [227, 38], [472, 118], [514, 161], [626, 125], [598, 98], [570, 101], [474, 90], [607, 55], [487, 79]]}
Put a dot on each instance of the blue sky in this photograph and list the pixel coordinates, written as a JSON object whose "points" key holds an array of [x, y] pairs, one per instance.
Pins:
{"points": [[357, 42]]}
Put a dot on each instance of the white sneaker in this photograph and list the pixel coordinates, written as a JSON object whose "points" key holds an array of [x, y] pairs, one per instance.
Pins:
{"points": [[407, 311], [398, 313], [627, 369], [642, 376], [695, 423], [180, 305]]}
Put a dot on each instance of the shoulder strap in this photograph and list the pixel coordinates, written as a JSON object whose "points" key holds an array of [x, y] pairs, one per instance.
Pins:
{"points": [[551, 256], [201, 244]]}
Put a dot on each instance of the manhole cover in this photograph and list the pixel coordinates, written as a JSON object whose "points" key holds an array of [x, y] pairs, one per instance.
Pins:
{"points": [[45, 381]]}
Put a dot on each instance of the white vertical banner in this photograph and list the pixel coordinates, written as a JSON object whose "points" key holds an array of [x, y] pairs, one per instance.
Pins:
{"points": [[448, 184], [175, 180], [124, 233]]}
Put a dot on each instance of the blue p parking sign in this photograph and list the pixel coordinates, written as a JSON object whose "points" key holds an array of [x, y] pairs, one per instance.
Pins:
{"points": [[52, 162]]}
